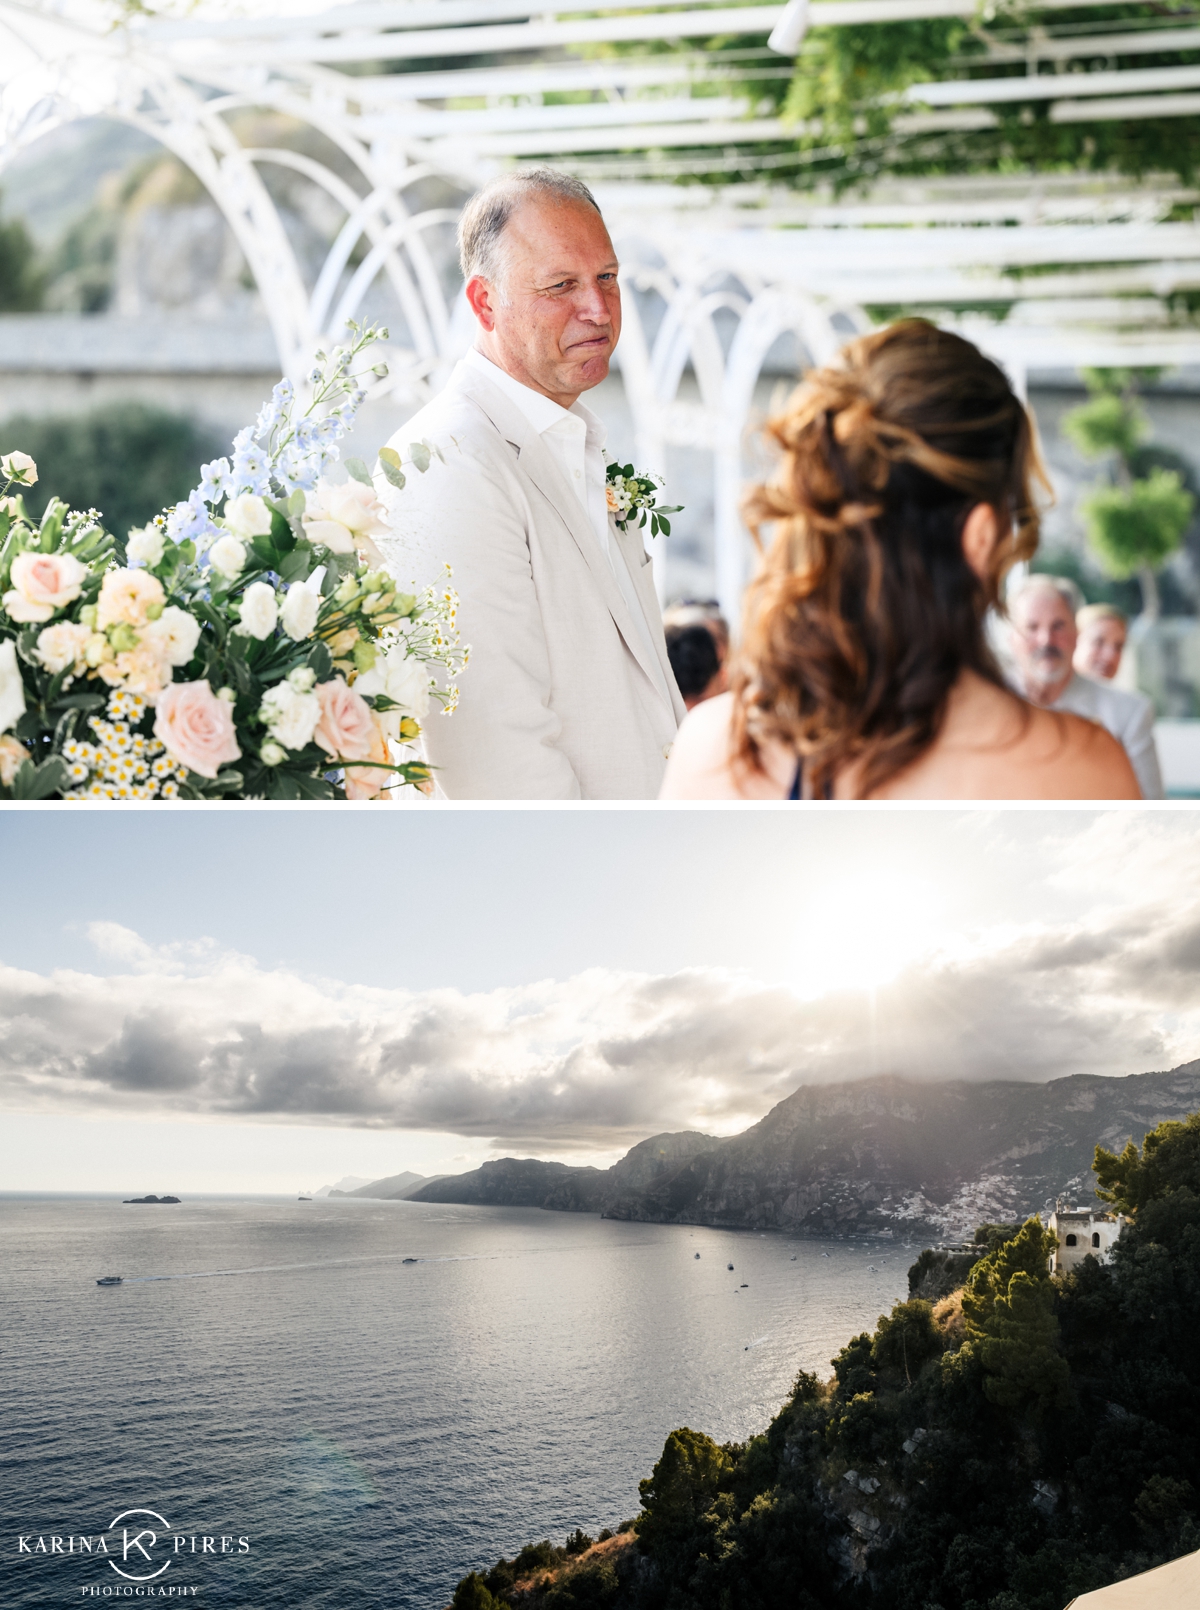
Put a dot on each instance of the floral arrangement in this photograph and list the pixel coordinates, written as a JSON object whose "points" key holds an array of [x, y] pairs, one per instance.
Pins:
{"points": [[630, 494], [246, 644]]}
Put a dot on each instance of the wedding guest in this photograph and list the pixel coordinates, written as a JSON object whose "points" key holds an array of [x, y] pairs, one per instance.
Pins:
{"points": [[903, 496], [1102, 632], [701, 612], [692, 651], [1043, 647]]}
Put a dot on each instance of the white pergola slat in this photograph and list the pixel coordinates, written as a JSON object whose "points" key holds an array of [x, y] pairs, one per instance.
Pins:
{"points": [[721, 275]]}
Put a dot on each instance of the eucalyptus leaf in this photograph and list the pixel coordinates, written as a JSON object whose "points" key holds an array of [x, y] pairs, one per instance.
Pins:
{"points": [[389, 463], [294, 566], [419, 453], [356, 468], [39, 782]]}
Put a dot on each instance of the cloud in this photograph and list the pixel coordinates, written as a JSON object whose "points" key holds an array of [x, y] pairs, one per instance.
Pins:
{"points": [[594, 1061]]}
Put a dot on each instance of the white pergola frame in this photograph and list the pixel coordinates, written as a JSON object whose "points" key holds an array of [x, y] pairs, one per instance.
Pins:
{"points": [[734, 270]]}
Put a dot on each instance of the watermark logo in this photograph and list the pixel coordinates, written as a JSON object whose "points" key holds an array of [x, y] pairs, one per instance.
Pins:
{"points": [[140, 1546], [141, 1541]]}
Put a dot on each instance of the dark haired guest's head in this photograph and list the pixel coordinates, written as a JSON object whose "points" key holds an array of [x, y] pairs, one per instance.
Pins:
{"points": [[692, 651]]}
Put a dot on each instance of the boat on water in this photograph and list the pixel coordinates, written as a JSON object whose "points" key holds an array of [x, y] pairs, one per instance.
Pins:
{"points": [[110, 1280], [304, 1199], [729, 1266], [745, 1285], [411, 1260], [697, 1255]]}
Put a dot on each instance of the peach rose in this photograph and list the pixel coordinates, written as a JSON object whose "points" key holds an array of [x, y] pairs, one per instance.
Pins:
{"points": [[196, 727], [43, 583], [127, 595], [366, 782], [13, 755], [347, 730]]}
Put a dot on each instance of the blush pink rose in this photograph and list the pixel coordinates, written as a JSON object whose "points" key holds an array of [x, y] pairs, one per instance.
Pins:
{"points": [[196, 727], [43, 583], [345, 728]]}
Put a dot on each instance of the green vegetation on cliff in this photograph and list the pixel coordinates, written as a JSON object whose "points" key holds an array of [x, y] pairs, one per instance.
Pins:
{"points": [[1007, 1446]]}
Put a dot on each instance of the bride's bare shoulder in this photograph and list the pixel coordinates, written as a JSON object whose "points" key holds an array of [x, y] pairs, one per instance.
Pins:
{"points": [[700, 764]]}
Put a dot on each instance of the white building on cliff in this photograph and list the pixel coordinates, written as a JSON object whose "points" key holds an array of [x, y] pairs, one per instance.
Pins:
{"points": [[1082, 1233]]}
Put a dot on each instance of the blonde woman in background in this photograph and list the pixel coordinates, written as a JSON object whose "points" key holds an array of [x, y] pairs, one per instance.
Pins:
{"points": [[903, 496], [1102, 632]]}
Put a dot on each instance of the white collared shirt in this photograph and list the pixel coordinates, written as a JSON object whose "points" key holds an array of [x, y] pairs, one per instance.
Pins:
{"points": [[575, 440]]}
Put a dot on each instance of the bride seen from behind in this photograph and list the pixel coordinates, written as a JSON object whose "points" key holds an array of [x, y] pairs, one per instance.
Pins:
{"points": [[903, 497]]}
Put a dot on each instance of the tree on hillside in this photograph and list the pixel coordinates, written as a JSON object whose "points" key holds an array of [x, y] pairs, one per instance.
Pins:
{"points": [[1168, 1161], [681, 1486], [127, 460], [22, 278], [1008, 1311], [1136, 524]]}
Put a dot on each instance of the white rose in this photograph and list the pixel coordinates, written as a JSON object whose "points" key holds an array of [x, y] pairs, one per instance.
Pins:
{"points": [[345, 518], [175, 634], [290, 715], [227, 555], [61, 646], [405, 682], [248, 516], [300, 609], [145, 545], [19, 467], [12, 688], [259, 611]]}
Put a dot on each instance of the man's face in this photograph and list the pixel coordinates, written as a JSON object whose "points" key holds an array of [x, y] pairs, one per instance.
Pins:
{"points": [[1043, 638], [1100, 648], [555, 318]]}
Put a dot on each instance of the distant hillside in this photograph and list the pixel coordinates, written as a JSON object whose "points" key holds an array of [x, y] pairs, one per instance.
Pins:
{"points": [[525, 1182], [392, 1189], [868, 1157]]}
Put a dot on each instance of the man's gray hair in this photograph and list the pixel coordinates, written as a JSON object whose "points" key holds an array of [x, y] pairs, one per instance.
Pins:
{"points": [[486, 215], [1039, 581]]}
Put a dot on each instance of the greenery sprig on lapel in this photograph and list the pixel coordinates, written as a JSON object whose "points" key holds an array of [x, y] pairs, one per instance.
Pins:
{"points": [[632, 497]]}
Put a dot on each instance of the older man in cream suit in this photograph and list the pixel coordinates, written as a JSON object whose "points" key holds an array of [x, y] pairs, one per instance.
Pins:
{"points": [[569, 693]]}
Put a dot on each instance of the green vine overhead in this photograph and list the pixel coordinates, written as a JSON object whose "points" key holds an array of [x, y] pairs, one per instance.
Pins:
{"points": [[856, 102], [852, 109]]}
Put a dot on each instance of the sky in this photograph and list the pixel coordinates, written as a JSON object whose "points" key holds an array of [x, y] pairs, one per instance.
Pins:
{"points": [[264, 1000]]}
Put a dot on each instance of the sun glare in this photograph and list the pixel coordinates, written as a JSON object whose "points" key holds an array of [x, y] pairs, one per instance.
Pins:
{"points": [[862, 932]]}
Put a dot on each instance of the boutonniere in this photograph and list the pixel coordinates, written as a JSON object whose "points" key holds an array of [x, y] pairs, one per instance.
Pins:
{"points": [[632, 497]]}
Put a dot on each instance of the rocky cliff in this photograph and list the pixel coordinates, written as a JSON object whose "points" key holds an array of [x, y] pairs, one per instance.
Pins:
{"points": [[880, 1156]]}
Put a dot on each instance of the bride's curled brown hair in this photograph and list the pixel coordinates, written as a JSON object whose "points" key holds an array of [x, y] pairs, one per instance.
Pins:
{"points": [[865, 610]]}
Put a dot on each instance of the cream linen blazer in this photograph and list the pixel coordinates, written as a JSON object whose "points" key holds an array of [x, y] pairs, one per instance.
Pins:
{"points": [[558, 701]]}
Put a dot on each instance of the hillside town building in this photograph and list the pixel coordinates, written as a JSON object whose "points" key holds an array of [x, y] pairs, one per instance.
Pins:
{"points": [[1082, 1233]]}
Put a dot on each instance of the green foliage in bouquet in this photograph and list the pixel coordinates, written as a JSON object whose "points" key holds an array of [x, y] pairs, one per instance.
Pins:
{"points": [[248, 643]]}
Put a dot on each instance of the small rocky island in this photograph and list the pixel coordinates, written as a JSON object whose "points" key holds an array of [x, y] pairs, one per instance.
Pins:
{"points": [[137, 1201]]}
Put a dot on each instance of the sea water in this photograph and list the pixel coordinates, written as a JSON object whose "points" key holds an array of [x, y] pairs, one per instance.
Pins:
{"points": [[355, 1429]]}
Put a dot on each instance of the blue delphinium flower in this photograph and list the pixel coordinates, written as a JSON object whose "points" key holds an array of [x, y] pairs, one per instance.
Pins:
{"points": [[251, 465], [190, 522], [215, 481]]}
